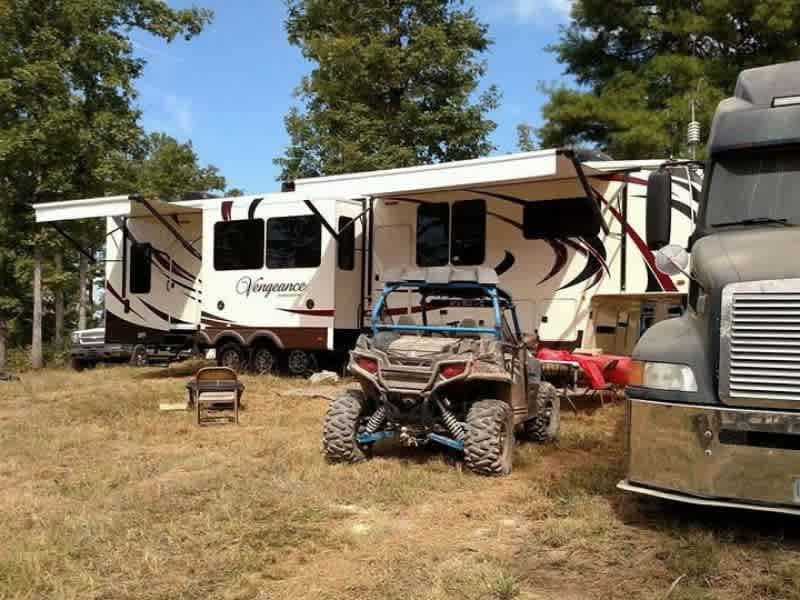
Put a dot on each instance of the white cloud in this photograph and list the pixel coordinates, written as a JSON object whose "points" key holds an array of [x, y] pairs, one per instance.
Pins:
{"points": [[531, 11], [180, 112]]}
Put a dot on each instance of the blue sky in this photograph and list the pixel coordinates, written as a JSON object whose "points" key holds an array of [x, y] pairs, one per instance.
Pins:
{"points": [[228, 89]]}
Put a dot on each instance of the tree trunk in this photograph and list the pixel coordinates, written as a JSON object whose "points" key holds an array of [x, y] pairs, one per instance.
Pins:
{"points": [[3, 333], [58, 294], [36, 343], [82, 276]]}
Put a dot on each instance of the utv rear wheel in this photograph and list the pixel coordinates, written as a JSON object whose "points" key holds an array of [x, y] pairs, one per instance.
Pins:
{"points": [[489, 443], [341, 428], [544, 427], [231, 356]]}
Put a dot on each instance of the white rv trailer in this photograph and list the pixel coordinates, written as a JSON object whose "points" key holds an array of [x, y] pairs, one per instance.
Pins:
{"points": [[294, 273]]}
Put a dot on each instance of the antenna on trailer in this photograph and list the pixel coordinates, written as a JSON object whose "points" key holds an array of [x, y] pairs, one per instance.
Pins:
{"points": [[693, 133]]}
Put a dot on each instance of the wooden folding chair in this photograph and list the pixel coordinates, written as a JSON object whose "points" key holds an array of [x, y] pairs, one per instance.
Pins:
{"points": [[215, 389]]}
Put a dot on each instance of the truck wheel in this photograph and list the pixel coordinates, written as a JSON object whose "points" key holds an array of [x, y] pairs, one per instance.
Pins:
{"points": [[544, 427], [78, 364], [139, 357], [489, 443], [263, 361], [341, 427], [231, 356], [301, 363]]}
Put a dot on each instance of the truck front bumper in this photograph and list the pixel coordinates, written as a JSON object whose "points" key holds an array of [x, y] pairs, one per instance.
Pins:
{"points": [[715, 456]]}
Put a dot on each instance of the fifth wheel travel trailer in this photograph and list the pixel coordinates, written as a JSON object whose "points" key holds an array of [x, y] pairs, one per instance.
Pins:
{"points": [[290, 276]]}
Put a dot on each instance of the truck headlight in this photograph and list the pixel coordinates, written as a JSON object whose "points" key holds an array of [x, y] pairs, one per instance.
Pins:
{"points": [[76, 338], [663, 376]]}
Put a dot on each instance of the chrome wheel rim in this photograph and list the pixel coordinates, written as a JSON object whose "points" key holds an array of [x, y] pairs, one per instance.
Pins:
{"points": [[298, 362], [263, 361]]}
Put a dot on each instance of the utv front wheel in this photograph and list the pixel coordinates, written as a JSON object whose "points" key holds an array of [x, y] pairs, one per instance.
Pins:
{"points": [[544, 427], [489, 443], [341, 428]]}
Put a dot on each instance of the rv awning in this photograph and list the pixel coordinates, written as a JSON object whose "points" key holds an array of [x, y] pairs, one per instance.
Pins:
{"points": [[110, 206], [526, 177]]}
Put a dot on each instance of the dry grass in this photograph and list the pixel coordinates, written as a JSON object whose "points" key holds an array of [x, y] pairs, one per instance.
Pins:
{"points": [[103, 496]]}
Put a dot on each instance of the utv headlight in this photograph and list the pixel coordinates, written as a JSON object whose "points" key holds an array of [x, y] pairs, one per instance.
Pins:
{"points": [[663, 376]]}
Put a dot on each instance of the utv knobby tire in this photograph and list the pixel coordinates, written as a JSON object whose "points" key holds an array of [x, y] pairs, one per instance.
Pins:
{"points": [[489, 443], [341, 428], [544, 427]]}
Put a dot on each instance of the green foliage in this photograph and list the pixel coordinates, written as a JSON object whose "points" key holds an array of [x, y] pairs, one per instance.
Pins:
{"points": [[67, 72], [525, 138], [640, 63], [393, 84], [166, 169]]}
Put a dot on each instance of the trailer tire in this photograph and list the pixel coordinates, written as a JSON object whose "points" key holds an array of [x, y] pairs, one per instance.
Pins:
{"points": [[489, 443], [341, 428], [544, 427], [301, 362], [231, 355], [139, 357], [263, 361]]}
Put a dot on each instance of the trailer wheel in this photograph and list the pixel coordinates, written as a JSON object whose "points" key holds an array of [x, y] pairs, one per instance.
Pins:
{"points": [[300, 363], [489, 443], [544, 427], [341, 427], [263, 361], [230, 355], [139, 356]]}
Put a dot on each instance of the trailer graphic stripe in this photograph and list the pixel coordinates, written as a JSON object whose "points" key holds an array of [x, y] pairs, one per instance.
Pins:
{"points": [[664, 281], [315, 312], [226, 210], [251, 212], [125, 303]]}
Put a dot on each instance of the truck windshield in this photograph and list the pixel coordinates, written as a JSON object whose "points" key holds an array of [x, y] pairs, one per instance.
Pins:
{"points": [[749, 187]]}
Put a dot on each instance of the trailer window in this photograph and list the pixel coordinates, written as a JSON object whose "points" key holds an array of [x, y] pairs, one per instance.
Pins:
{"points": [[469, 232], [141, 269], [294, 242], [347, 244], [433, 234], [239, 245]]}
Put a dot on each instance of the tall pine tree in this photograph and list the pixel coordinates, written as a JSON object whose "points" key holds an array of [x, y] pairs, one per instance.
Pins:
{"points": [[641, 63], [393, 84]]}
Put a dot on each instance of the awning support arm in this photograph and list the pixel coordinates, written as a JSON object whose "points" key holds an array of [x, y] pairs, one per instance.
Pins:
{"points": [[184, 242], [323, 220], [591, 194], [74, 242]]}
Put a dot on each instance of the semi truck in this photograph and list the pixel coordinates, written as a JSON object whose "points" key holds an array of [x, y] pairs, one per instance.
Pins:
{"points": [[713, 406]]}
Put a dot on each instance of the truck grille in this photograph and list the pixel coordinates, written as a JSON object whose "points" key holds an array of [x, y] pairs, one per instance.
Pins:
{"points": [[760, 335]]}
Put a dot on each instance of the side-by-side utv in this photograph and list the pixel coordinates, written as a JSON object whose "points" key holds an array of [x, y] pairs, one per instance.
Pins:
{"points": [[446, 363]]}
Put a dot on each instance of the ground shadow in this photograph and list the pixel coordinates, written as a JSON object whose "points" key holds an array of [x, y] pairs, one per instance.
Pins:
{"points": [[182, 369]]}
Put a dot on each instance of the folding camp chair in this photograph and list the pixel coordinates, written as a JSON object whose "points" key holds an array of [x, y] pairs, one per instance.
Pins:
{"points": [[215, 389]]}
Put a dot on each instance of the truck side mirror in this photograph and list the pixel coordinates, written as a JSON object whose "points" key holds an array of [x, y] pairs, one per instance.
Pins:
{"points": [[659, 210]]}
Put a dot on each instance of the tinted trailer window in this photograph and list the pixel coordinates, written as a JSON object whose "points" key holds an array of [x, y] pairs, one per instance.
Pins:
{"points": [[239, 245], [294, 242]]}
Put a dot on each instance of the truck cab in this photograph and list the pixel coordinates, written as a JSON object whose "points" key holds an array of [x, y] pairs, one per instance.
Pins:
{"points": [[713, 405]]}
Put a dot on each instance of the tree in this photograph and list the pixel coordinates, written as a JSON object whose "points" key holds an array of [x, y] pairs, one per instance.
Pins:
{"points": [[525, 138], [393, 84], [640, 64], [165, 168], [66, 104]]}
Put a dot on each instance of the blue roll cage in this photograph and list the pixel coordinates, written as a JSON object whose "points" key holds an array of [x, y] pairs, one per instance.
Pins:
{"points": [[489, 291]]}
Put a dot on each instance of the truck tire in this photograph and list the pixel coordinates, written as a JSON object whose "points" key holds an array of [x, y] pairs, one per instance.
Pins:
{"points": [[544, 427], [78, 365], [231, 355], [139, 357], [341, 427], [489, 443], [263, 361]]}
